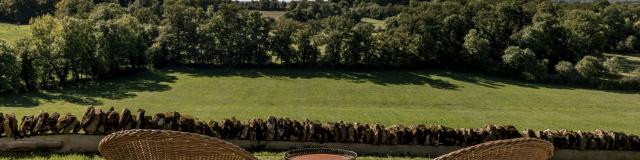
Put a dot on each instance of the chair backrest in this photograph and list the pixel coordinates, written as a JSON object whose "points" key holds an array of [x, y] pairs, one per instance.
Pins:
{"points": [[518, 148], [144, 144]]}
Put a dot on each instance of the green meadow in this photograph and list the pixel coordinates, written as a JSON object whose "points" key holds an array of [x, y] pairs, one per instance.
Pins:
{"points": [[11, 32], [386, 97]]}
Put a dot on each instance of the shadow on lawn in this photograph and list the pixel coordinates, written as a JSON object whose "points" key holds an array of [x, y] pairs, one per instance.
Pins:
{"points": [[89, 93], [377, 77]]}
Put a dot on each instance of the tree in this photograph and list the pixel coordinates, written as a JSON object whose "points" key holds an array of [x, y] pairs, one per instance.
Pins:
{"points": [[358, 44], [178, 35], [436, 25], [629, 45], [256, 43], [545, 37], [478, 48], [40, 50], [616, 29], [306, 49], [146, 16], [56, 49], [454, 29], [397, 49], [22, 10], [29, 72], [613, 65], [106, 11], [333, 35], [589, 67], [74, 49], [498, 24], [566, 70], [585, 34], [282, 39], [120, 45], [78, 8], [149, 6], [9, 69], [522, 60]]}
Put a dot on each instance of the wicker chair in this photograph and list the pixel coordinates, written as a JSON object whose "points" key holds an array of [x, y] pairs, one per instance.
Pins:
{"points": [[518, 148], [141, 144]]}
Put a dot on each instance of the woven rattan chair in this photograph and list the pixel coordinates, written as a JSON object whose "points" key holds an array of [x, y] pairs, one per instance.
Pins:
{"points": [[141, 144], [511, 149]]}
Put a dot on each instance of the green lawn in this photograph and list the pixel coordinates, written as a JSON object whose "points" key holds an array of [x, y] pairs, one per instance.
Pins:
{"points": [[379, 24], [273, 14], [11, 32], [451, 99]]}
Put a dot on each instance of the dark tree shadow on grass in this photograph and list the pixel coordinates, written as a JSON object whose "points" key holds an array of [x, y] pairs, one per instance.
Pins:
{"points": [[472, 78], [89, 93], [376, 77]]}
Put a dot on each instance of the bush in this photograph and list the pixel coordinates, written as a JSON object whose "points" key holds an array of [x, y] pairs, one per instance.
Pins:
{"points": [[613, 65], [22, 10], [524, 61], [629, 45], [566, 70], [589, 67]]}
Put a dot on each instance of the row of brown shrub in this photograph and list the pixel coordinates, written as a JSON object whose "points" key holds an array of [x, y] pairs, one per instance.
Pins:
{"points": [[98, 122]]}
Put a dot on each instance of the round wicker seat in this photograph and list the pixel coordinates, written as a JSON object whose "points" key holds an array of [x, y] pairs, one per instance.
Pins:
{"points": [[320, 154], [518, 148], [141, 144]]}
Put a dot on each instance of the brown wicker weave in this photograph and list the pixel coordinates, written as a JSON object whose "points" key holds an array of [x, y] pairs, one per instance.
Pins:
{"points": [[141, 144], [320, 154], [511, 149]]}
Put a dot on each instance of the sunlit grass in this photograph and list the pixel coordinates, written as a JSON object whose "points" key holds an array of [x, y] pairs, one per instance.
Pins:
{"points": [[389, 97], [11, 32], [273, 14], [379, 24]]}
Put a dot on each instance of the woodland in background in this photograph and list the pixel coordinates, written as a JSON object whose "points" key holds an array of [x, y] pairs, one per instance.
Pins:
{"points": [[80, 40]]}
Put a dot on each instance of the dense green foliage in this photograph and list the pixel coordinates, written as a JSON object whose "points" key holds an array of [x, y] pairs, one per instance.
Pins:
{"points": [[23, 10], [9, 68], [88, 40]]}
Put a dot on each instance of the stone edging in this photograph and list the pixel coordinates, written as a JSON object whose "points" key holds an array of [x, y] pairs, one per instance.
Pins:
{"points": [[98, 122]]}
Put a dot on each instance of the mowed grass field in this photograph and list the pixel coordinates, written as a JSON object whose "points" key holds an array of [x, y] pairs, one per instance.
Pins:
{"points": [[11, 32], [389, 97]]}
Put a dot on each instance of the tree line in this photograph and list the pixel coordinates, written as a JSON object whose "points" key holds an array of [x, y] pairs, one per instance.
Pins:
{"points": [[533, 40]]}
